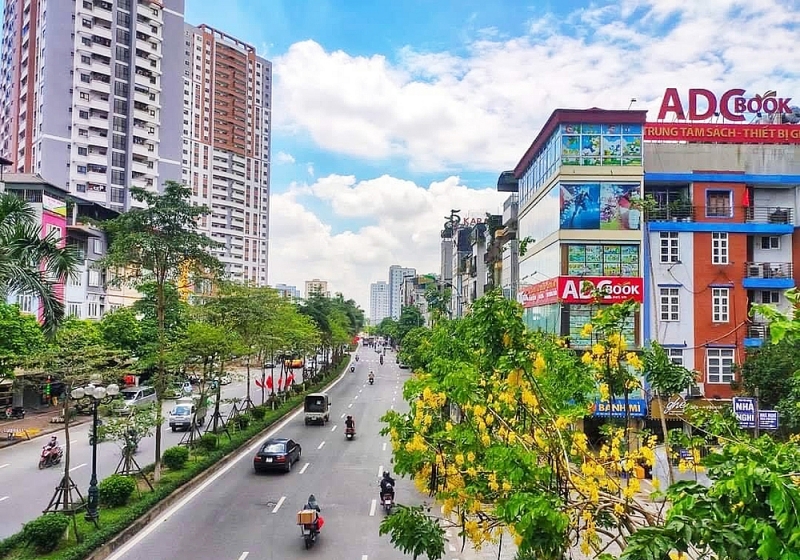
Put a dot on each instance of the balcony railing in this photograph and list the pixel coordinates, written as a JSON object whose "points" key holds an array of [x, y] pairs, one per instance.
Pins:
{"points": [[750, 214], [757, 330], [768, 270], [768, 215]]}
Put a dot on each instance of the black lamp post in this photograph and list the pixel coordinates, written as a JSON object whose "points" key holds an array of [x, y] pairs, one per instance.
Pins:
{"points": [[96, 395]]}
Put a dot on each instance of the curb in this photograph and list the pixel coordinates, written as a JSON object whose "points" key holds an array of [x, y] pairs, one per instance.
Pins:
{"points": [[117, 541], [45, 432]]}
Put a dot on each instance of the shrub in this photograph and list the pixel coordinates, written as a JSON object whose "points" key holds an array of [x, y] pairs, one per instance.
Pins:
{"points": [[45, 533], [208, 442], [242, 421], [175, 458], [116, 490], [258, 412]]}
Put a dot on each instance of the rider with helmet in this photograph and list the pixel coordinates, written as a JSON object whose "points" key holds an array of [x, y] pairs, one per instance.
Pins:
{"points": [[349, 423], [387, 485], [312, 504]]}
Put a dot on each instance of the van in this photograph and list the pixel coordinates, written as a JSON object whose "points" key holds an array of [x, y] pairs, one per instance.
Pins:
{"points": [[317, 408], [180, 417], [136, 396]]}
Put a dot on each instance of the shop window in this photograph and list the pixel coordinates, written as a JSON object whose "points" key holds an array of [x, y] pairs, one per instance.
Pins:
{"points": [[719, 248], [719, 365], [669, 247], [669, 304], [720, 305], [719, 204]]}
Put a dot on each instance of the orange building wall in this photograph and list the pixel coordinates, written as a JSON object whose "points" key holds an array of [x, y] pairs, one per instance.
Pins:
{"points": [[707, 274]]}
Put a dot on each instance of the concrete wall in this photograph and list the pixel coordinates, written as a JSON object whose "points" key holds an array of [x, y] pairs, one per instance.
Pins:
{"points": [[684, 158]]}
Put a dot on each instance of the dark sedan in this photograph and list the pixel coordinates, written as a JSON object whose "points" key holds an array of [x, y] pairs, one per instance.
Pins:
{"points": [[277, 454]]}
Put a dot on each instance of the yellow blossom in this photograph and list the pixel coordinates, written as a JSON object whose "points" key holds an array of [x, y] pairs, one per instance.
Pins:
{"points": [[448, 426], [656, 483], [587, 358], [603, 390], [471, 471], [587, 330], [539, 364], [619, 509], [506, 340], [529, 399], [459, 459], [486, 440], [561, 423], [506, 486], [674, 555], [598, 349]]}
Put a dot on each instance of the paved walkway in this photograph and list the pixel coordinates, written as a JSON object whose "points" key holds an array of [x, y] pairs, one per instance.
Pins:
{"points": [[33, 425]]}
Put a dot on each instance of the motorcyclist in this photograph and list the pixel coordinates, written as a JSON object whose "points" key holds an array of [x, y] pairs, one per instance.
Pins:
{"points": [[350, 424], [312, 504], [52, 445], [371, 376], [381, 358], [356, 357], [387, 485]]}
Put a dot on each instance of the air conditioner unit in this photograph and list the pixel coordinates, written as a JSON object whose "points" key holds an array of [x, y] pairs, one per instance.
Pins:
{"points": [[755, 271], [697, 390]]}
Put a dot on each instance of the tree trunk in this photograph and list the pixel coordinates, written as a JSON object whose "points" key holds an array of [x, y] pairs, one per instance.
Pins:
{"points": [[219, 395], [159, 385], [248, 376], [67, 448], [670, 472]]}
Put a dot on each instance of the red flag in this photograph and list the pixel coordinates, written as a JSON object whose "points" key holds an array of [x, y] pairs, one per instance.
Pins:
{"points": [[746, 198], [259, 383], [289, 380], [269, 383], [280, 383]]}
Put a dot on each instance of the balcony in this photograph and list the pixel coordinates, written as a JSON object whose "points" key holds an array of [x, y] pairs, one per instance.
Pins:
{"points": [[768, 215], [756, 334], [672, 213], [752, 220], [768, 276]]}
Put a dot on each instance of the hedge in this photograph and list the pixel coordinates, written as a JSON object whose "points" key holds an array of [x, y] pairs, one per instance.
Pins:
{"points": [[93, 540]]}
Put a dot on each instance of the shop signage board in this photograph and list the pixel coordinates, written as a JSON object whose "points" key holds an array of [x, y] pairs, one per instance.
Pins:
{"points": [[722, 133], [637, 408], [580, 289], [731, 105], [744, 408], [541, 293]]}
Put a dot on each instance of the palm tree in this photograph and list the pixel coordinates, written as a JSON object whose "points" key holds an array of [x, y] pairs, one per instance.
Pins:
{"points": [[31, 264]]}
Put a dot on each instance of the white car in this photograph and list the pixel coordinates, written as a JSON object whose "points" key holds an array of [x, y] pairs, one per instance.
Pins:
{"points": [[224, 380]]}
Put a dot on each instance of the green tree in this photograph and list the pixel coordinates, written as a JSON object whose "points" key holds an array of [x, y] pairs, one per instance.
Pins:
{"points": [[160, 243], [22, 336], [438, 299], [387, 328], [410, 318], [32, 263], [121, 329], [773, 370]]}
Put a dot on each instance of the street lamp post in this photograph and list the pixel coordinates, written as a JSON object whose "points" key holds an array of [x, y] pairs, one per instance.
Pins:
{"points": [[96, 394]]}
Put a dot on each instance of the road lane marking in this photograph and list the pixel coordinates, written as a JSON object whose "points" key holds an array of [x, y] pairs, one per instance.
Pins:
{"points": [[394, 399], [380, 471], [350, 405], [372, 508], [279, 504], [392, 407], [334, 427], [4, 498], [246, 453], [342, 416], [78, 467], [244, 555], [320, 445], [364, 557], [304, 468], [384, 446], [360, 390], [355, 397], [4, 465]]}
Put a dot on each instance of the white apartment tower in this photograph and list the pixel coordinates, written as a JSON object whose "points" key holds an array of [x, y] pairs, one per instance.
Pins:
{"points": [[378, 302], [397, 275], [89, 94], [227, 93]]}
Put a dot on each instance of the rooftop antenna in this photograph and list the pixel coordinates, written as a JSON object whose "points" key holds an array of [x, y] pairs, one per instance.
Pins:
{"points": [[633, 100]]}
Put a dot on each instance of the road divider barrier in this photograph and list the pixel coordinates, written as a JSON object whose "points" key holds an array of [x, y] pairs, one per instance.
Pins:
{"points": [[97, 543]]}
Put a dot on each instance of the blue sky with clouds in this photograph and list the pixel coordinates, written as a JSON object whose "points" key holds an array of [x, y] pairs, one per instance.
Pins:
{"points": [[387, 114]]}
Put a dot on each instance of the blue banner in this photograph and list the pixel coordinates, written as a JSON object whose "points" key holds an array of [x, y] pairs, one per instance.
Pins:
{"points": [[637, 408]]}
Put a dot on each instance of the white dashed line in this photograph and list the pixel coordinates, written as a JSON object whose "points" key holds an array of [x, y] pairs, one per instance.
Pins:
{"points": [[392, 407], [4, 498], [321, 445], [304, 468], [355, 397], [372, 508], [279, 504], [78, 467], [343, 415], [4, 465], [380, 471], [394, 399], [364, 557], [334, 427], [360, 390], [350, 405], [244, 555], [384, 446]]}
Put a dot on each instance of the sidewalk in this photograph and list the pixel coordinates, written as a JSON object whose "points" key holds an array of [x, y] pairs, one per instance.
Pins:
{"points": [[489, 551], [34, 424]]}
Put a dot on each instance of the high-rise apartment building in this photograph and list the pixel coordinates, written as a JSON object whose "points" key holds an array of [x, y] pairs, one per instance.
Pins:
{"points": [[227, 93], [89, 94], [378, 302], [317, 286], [396, 276]]}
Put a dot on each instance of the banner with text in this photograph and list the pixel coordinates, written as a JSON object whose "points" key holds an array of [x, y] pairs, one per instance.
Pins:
{"points": [[722, 133]]}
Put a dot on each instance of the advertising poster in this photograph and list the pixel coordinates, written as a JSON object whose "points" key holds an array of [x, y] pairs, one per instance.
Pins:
{"points": [[595, 144], [570, 150], [615, 206], [580, 206], [54, 205]]}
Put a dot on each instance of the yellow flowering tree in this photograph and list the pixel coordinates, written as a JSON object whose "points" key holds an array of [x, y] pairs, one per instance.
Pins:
{"points": [[492, 434]]}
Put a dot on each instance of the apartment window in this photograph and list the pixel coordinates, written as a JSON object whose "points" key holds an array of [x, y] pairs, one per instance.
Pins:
{"points": [[120, 124], [122, 53], [720, 305], [669, 304], [719, 204], [124, 19], [80, 187], [670, 249], [124, 4], [117, 177], [118, 142], [117, 195], [86, 59], [719, 365], [719, 248], [25, 303], [55, 231], [86, 78], [82, 151], [770, 296], [86, 23], [74, 310], [122, 71], [94, 278], [82, 169], [771, 242], [97, 246], [93, 309], [83, 114], [120, 89], [87, 42], [84, 95], [675, 355]]}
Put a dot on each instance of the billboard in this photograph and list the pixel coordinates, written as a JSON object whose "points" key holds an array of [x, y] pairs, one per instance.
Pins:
{"points": [[543, 293], [606, 206], [580, 289]]}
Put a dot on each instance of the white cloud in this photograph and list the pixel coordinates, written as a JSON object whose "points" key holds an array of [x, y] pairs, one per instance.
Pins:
{"points": [[310, 169], [480, 111], [283, 157], [404, 223]]}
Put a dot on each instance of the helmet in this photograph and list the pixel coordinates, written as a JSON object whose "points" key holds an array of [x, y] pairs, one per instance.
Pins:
{"points": [[385, 474], [53, 438]]}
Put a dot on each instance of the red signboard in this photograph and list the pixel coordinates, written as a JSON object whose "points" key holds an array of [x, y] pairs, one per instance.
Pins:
{"points": [[731, 105], [580, 289], [723, 133], [542, 293]]}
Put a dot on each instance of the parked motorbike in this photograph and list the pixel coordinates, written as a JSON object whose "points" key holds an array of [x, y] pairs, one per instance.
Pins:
{"points": [[50, 456], [15, 413], [387, 500]]}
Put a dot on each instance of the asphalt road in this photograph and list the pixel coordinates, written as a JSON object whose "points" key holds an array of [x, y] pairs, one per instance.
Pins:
{"points": [[25, 490], [241, 515]]}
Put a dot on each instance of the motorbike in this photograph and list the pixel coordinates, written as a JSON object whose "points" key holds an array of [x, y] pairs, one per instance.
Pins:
{"points": [[381, 359], [309, 530], [387, 499], [50, 456], [356, 358], [371, 380], [15, 413], [352, 369], [350, 433]]}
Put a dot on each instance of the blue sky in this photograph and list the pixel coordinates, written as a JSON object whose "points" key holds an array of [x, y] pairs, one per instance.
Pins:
{"points": [[405, 109]]}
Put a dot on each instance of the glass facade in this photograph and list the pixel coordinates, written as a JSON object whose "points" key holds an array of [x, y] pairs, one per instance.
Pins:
{"points": [[541, 220], [545, 318], [582, 144], [541, 266]]}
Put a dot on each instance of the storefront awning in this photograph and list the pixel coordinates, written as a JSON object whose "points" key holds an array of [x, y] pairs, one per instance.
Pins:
{"points": [[675, 407]]}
